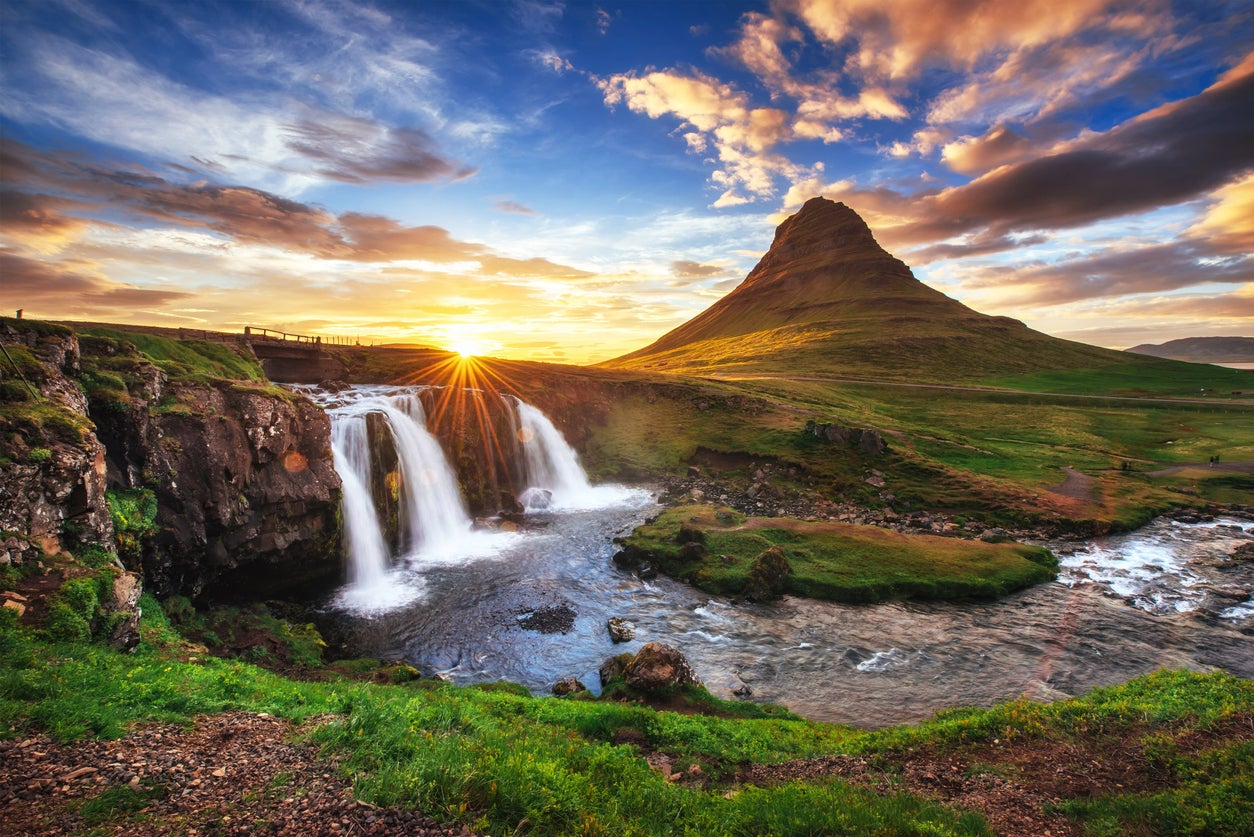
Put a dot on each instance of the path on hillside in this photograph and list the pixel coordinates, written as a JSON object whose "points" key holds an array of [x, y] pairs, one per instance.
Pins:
{"points": [[1210, 402]]}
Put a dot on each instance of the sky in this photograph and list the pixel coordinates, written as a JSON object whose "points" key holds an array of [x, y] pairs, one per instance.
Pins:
{"points": [[566, 181]]}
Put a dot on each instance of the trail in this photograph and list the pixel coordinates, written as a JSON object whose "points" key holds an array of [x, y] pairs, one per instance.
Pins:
{"points": [[1210, 402]]}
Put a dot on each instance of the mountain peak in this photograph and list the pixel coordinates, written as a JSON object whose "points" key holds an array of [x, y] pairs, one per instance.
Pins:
{"points": [[827, 295], [821, 226]]}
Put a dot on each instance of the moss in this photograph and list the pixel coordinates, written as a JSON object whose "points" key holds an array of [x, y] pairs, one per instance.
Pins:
{"points": [[835, 561]]}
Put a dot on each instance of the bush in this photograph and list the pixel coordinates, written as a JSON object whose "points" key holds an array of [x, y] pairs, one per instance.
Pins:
{"points": [[64, 623], [39, 455]]}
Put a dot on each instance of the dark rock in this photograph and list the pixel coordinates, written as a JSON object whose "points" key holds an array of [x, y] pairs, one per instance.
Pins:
{"points": [[613, 668], [568, 686], [658, 666], [554, 619], [621, 630], [768, 575], [689, 534], [247, 497]]}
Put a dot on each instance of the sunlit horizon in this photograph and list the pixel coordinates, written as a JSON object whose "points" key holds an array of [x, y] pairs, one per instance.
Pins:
{"points": [[568, 182]]}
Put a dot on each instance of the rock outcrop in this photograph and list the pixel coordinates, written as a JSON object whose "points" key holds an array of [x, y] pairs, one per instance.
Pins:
{"points": [[52, 493], [247, 497]]}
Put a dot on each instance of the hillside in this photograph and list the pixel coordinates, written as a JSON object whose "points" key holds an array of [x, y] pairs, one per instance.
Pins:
{"points": [[1201, 349], [827, 299]]}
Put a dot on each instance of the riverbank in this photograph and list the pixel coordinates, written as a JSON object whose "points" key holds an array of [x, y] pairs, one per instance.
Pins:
{"points": [[1171, 749]]}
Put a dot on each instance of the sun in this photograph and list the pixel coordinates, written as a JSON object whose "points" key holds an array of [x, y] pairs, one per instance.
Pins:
{"points": [[467, 348]]}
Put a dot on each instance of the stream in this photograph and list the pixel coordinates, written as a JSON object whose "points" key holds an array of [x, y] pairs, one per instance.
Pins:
{"points": [[532, 607]]}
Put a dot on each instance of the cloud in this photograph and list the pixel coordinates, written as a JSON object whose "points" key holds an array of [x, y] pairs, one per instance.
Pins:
{"points": [[1228, 225], [1147, 269], [603, 19], [68, 289], [353, 150], [713, 113], [975, 155], [513, 208], [1172, 154], [273, 143], [899, 39], [686, 269]]}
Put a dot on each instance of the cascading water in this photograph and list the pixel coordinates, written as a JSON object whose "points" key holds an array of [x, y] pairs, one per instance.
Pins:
{"points": [[433, 516], [363, 537], [432, 519], [552, 474]]}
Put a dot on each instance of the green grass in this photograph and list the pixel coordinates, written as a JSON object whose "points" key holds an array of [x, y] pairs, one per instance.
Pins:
{"points": [[196, 361], [503, 762], [834, 561]]}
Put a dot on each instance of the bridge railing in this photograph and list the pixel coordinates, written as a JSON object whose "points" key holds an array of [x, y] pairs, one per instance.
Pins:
{"points": [[271, 334]]}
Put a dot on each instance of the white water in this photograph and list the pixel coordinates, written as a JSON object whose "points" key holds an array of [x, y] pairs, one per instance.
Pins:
{"points": [[554, 479], [435, 529]]}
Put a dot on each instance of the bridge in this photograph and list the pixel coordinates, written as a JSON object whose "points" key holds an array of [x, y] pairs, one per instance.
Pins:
{"points": [[295, 358]]}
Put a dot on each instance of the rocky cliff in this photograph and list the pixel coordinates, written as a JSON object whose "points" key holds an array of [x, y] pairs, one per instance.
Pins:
{"points": [[52, 494], [247, 501]]}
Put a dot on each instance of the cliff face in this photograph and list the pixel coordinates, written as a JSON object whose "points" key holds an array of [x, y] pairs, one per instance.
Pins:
{"points": [[247, 498], [52, 493]]}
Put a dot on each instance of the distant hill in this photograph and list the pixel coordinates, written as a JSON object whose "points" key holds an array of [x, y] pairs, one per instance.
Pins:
{"points": [[827, 299], [1202, 349]]}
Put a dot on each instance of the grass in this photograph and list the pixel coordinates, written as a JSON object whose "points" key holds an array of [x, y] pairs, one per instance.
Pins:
{"points": [[195, 361], [502, 762], [834, 561]]}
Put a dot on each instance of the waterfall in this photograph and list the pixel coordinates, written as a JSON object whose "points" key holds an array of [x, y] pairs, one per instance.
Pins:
{"points": [[551, 471], [411, 479], [363, 537], [432, 518]]}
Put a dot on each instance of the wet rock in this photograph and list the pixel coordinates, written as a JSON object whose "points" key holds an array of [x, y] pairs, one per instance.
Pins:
{"points": [[621, 630], [554, 619], [568, 686], [658, 666], [613, 668]]}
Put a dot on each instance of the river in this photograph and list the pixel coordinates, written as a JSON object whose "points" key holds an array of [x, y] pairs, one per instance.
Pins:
{"points": [[1123, 606]]}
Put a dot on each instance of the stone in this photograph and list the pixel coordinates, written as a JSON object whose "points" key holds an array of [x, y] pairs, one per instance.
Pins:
{"points": [[621, 630], [658, 666], [613, 668], [768, 575], [568, 686]]}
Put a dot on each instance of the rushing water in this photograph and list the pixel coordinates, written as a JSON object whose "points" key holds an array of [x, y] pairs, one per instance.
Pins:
{"points": [[1165, 596]]}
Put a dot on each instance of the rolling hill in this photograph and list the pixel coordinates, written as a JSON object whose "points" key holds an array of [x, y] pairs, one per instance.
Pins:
{"points": [[1202, 349]]}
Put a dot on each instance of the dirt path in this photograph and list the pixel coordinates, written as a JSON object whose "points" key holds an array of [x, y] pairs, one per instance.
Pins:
{"points": [[235, 773], [1078, 486]]}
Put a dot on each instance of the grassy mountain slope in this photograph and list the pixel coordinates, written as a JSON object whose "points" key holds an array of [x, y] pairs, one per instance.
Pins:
{"points": [[826, 299]]}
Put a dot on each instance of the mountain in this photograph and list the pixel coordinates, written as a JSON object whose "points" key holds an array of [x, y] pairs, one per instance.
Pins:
{"points": [[1202, 349], [827, 298]]}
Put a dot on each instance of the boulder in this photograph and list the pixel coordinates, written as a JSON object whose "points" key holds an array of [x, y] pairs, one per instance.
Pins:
{"points": [[658, 666], [768, 575], [568, 686]]}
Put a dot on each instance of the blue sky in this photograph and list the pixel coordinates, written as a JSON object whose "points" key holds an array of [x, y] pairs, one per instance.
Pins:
{"points": [[567, 181]]}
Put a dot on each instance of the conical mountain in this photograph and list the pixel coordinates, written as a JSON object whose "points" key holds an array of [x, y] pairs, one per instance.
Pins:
{"points": [[827, 298]]}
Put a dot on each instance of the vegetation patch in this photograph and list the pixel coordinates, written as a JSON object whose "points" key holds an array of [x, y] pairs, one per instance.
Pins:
{"points": [[726, 553]]}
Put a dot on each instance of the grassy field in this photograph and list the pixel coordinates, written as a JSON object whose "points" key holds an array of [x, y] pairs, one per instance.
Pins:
{"points": [[504, 762], [834, 561]]}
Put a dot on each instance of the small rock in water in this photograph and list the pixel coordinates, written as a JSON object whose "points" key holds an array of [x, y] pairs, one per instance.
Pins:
{"points": [[621, 630], [555, 619]]}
